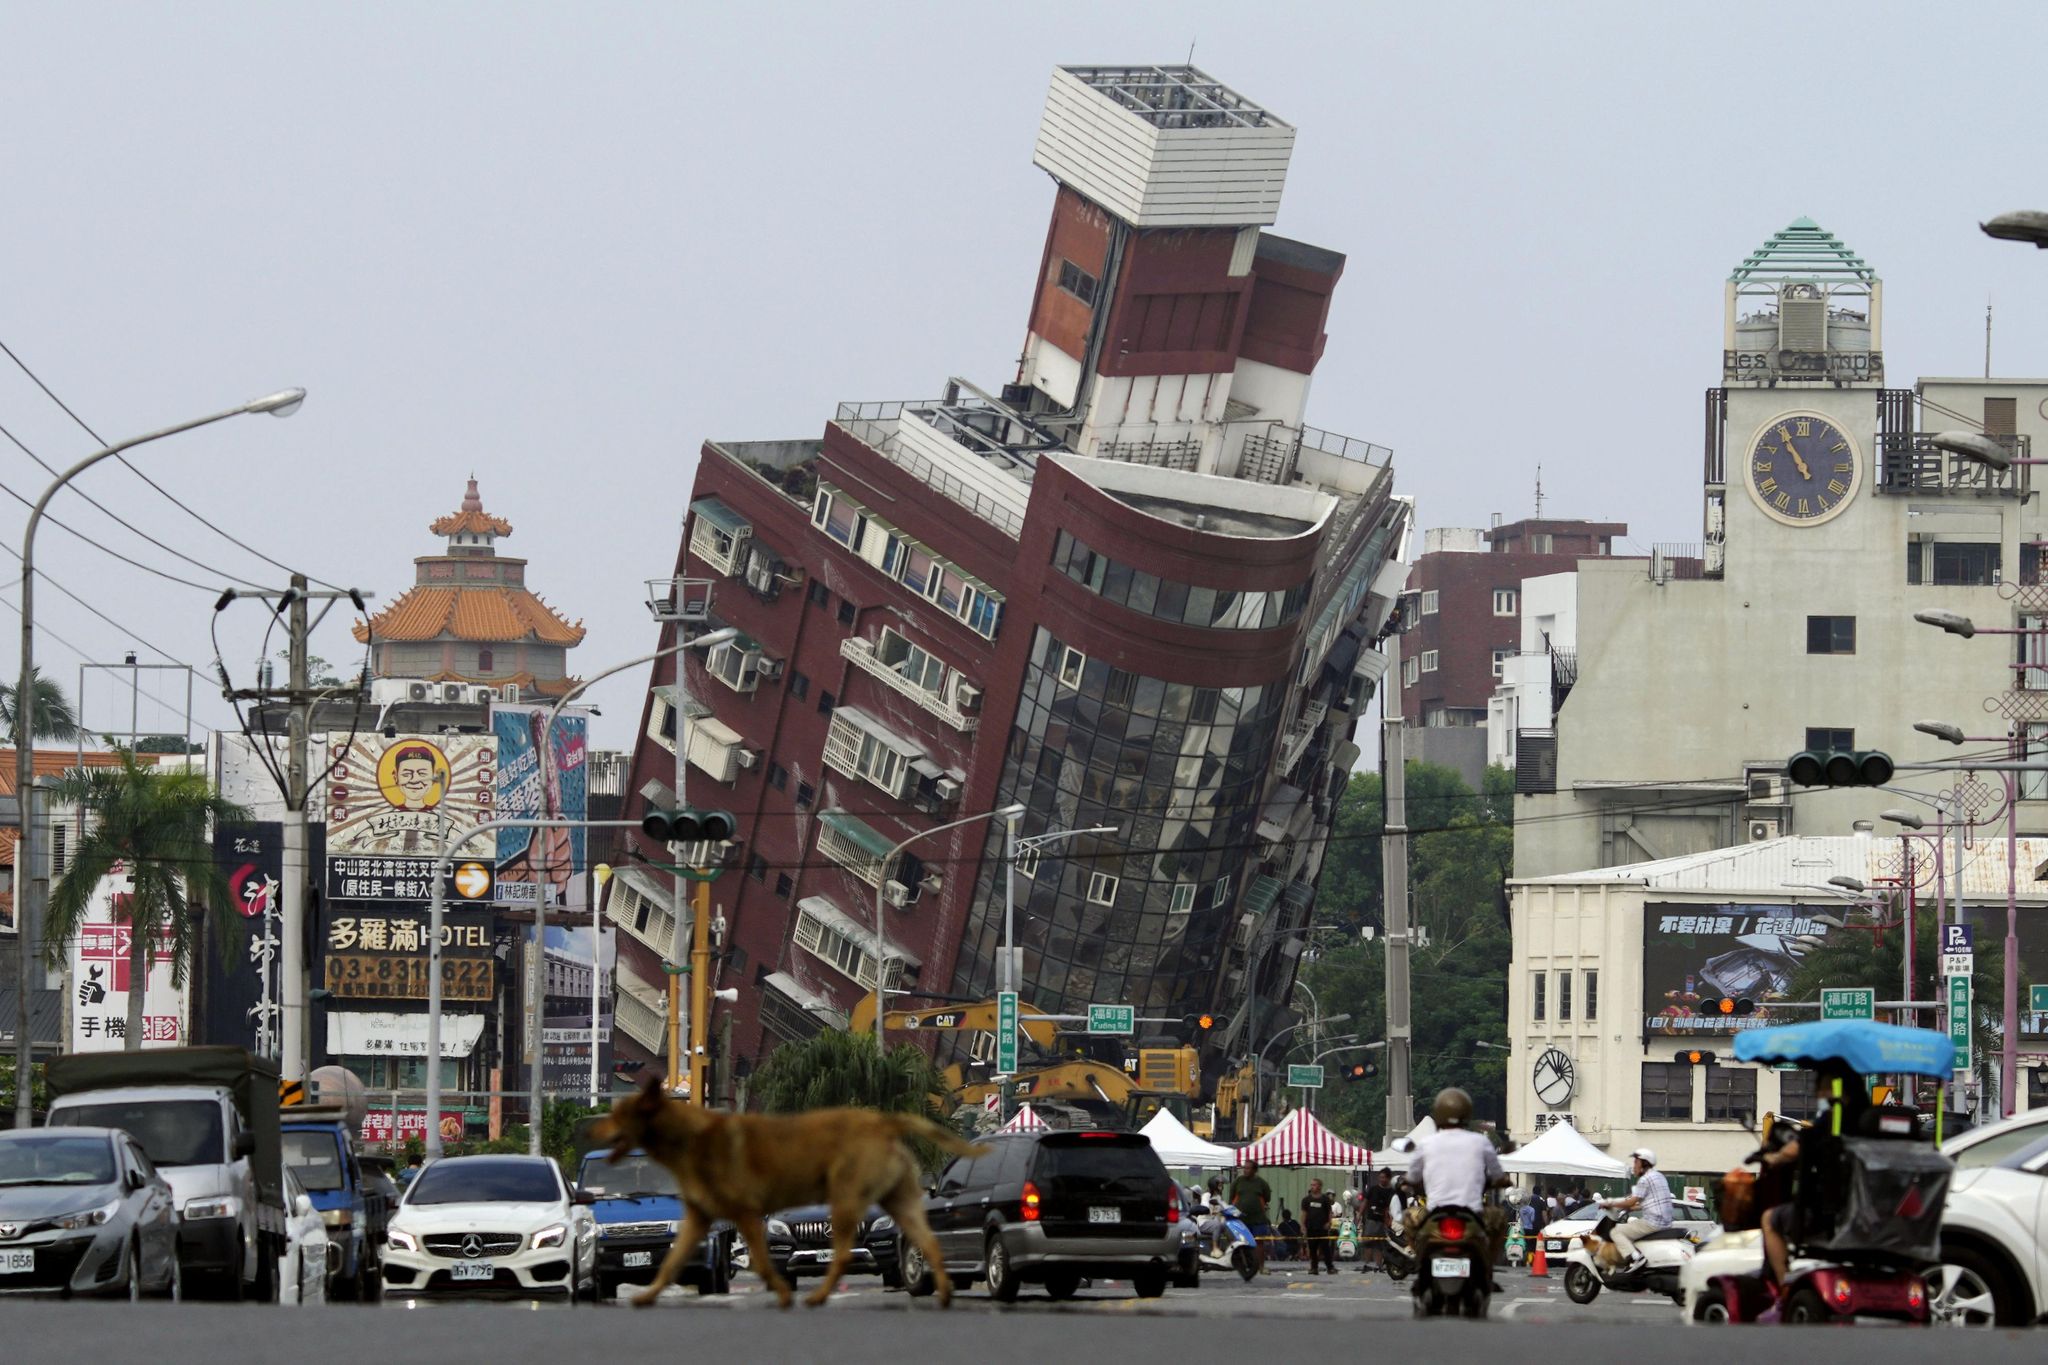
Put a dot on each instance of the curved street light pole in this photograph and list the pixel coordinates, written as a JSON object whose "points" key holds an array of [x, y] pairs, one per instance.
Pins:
{"points": [[881, 942], [281, 404]]}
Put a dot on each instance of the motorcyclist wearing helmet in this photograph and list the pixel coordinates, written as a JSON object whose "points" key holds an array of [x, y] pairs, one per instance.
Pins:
{"points": [[1456, 1166], [1650, 1201]]}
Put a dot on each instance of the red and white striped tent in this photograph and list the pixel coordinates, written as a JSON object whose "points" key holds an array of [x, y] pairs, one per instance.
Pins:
{"points": [[1025, 1120], [1301, 1140]]}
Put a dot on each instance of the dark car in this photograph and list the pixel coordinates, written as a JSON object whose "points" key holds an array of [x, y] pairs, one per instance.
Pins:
{"points": [[637, 1209], [800, 1243], [1054, 1208], [321, 1153], [82, 1211]]}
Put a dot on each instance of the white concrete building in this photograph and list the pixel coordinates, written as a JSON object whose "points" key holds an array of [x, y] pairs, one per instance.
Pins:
{"points": [[1830, 519], [1535, 679], [1610, 966]]}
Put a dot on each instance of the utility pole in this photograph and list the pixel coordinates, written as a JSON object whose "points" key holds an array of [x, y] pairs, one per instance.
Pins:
{"points": [[297, 874], [1394, 857]]}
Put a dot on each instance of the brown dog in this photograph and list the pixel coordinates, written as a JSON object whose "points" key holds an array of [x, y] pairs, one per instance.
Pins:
{"points": [[743, 1167]]}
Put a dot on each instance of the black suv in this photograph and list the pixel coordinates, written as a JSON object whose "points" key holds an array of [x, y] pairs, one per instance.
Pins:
{"points": [[1051, 1208], [800, 1243]]}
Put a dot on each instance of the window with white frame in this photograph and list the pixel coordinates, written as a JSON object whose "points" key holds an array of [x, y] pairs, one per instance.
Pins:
{"points": [[1182, 901], [1411, 670], [1541, 543], [911, 663], [1500, 662], [1027, 862], [1220, 896], [1071, 664], [716, 535], [1429, 657], [839, 517], [849, 852], [1429, 601], [1505, 601], [1102, 888], [856, 750]]}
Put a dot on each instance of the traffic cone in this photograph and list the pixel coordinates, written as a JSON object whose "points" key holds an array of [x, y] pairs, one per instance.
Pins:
{"points": [[1539, 1264]]}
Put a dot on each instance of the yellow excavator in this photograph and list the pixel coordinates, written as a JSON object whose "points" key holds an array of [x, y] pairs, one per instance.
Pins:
{"points": [[1150, 1079]]}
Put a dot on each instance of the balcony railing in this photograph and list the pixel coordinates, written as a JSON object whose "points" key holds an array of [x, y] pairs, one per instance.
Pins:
{"points": [[861, 654], [1303, 730], [874, 425], [1564, 674], [1908, 462], [1670, 560], [1345, 447]]}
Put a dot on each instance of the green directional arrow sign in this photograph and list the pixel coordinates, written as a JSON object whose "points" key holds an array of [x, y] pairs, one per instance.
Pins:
{"points": [[1857, 1002], [1306, 1077], [2037, 999], [1119, 1019], [1006, 1033]]}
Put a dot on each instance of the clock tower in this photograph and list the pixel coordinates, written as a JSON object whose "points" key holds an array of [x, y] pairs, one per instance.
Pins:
{"points": [[1794, 421]]}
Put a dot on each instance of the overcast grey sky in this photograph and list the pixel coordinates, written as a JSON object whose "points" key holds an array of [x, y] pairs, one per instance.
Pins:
{"points": [[561, 245]]}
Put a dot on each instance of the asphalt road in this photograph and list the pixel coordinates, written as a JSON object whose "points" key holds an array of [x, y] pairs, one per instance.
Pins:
{"points": [[1225, 1320]]}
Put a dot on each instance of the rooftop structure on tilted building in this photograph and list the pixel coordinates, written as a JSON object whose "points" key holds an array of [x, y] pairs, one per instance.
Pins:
{"points": [[470, 617]]}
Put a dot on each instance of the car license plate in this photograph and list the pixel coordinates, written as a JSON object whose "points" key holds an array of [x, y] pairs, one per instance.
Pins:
{"points": [[1555, 1245], [635, 1259], [17, 1262], [1098, 1214], [1448, 1267], [473, 1270]]}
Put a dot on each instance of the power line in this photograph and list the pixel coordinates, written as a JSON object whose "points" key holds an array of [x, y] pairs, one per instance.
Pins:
{"points": [[65, 526], [36, 379], [87, 658], [121, 520]]}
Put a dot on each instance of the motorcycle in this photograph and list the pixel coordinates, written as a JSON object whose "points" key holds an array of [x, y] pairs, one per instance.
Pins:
{"points": [[1587, 1271], [1227, 1244], [1453, 1264], [1397, 1257], [1867, 1199]]}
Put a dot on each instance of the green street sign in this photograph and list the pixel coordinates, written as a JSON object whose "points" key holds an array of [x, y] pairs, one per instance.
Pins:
{"points": [[1305, 1077], [2037, 999], [1959, 1019], [1006, 1033], [1119, 1019], [1856, 1002]]}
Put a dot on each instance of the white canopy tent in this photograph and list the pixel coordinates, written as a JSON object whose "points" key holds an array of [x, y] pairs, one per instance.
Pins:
{"points": [[1562, 1150], [1179, 1147]]}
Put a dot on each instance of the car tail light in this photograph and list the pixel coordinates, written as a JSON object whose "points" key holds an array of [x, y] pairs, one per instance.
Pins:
{"points": [[1101, 1135], [1451, 1229], [1172, 1208], [1841, 1292], [1030, 1202], [1916, 1296]]}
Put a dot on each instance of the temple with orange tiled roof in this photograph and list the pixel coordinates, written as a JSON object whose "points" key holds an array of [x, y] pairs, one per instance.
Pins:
{"points": [[469, 617]]}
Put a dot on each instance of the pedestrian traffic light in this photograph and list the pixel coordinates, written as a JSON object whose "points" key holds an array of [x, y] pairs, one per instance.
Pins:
{"points": [[1358, 1071], [1695, 1057], [689, 826], [1731, 1004], [1839, 768]]}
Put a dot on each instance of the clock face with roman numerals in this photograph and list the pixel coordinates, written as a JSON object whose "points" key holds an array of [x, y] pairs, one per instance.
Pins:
{"points": [[1555, 1079], [1802, 469]]}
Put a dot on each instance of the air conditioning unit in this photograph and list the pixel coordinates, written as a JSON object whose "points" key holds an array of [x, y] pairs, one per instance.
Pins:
{"points": [[509, 693], [388, 691], [946, 789], [932, 882], [746, 758], [485, 695], [896, 893], [761, 576], [454, 692], [1768, 789], [1761, 829], [966, 696], [771, 669], [419, 691]]}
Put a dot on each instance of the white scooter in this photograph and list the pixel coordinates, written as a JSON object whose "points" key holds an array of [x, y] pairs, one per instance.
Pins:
{"points": [[1227, 1244], [1666, 1252]]}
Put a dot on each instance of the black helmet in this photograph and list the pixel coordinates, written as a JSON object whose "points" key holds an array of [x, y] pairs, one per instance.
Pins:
{"points": [[1453, 1108]]}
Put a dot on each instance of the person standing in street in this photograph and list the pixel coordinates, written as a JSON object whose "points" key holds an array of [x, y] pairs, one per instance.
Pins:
{"points": [[1376, 1205], [1318, 1213], [1254, 1199]]}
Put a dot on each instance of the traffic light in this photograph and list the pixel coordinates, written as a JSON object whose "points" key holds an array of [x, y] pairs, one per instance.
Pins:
{"points": [[1839, 768], [1731, 1004], [1694, 1057], [1198, 1026], [1358, 1071], [688, 826]]}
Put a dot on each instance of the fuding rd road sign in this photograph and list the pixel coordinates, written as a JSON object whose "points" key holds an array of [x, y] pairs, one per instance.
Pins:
{"points": [[1856, 1002], [1119, 1019]]}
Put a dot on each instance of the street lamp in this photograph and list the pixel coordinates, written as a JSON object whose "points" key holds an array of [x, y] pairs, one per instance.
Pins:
{"points": [[2027, 225], [1901, 817], [1492, 1047], [1855, 886], [283, 403], [1259, 1060], [1009, 812], [1954, 622]]}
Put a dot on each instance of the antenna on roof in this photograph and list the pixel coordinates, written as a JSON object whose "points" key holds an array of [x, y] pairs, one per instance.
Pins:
{"points": [[1987, 336], [1539, 492], [1191, 53]]}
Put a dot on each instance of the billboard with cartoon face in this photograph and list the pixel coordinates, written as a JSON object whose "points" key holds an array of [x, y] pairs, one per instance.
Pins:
{"points": [[390, 796]]}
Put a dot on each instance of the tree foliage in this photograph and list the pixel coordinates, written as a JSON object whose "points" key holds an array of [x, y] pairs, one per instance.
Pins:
{"points": [[1459, 857], [54, 717], [156, 823], [834, 1068]]}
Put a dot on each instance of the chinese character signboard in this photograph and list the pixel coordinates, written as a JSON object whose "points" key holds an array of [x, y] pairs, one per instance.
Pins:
{"points": [[100, 977], [241, 996], [1696, 954], [380, 953], [386, 804], [540, 777], [412, 1123]]}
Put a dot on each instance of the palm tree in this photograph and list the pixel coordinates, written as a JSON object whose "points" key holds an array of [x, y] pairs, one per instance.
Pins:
{"points": [[54, 718], [154, 823], [835, 1068]]}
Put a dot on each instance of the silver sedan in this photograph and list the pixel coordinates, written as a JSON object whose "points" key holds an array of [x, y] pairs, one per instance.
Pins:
{"points": [[83, 1212]]}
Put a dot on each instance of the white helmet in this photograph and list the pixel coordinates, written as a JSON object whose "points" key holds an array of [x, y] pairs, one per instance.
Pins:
{"points": [[1644, 1155]]}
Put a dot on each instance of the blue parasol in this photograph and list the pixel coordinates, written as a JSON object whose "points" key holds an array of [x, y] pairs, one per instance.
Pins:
{"points": [[1863, 1046]]}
